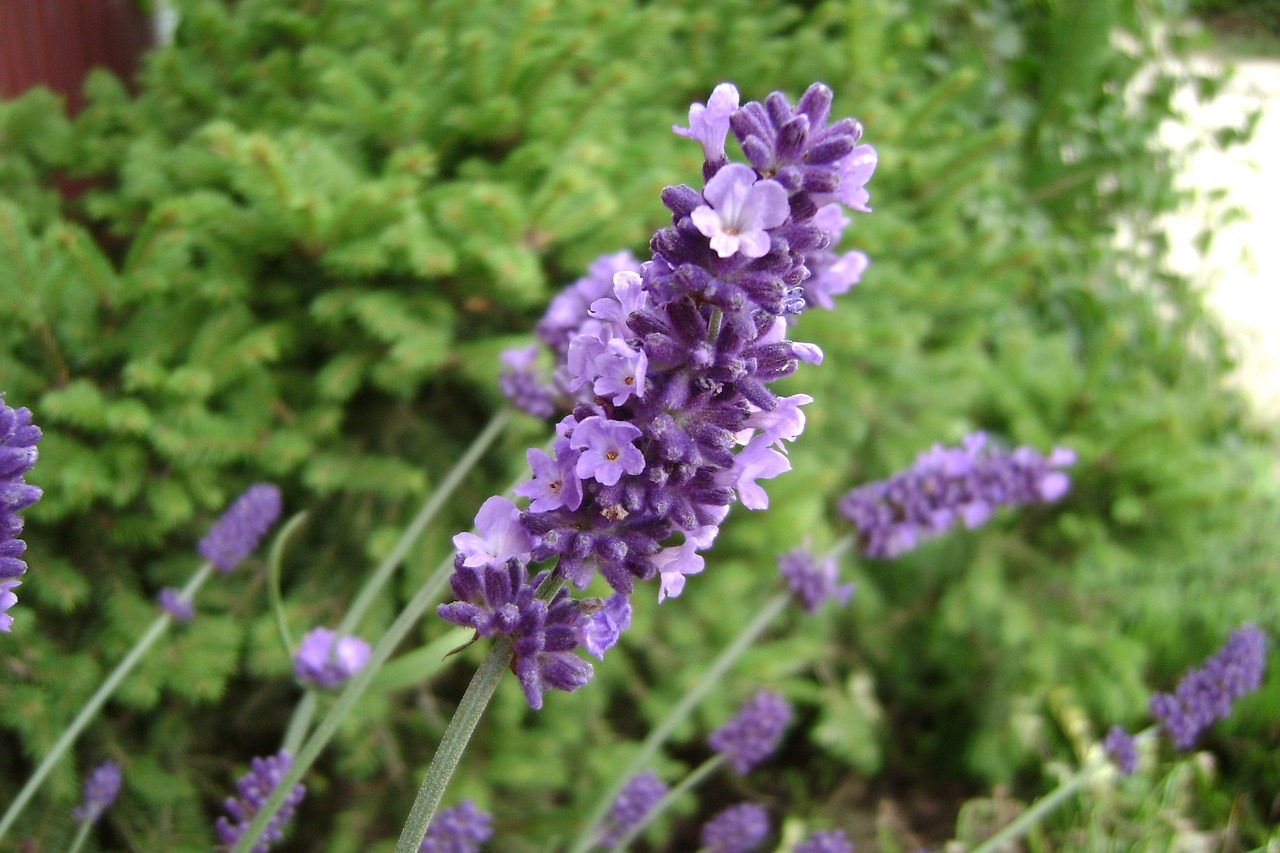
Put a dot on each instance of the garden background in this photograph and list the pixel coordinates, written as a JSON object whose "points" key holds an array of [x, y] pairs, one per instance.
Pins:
{"points": [[295, 250]]}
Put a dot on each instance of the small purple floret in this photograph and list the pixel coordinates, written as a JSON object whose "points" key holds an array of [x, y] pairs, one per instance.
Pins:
{"points": [[237, 533], [833, 841], [1122, 749], [1206, 695], [740, 211], [636, 799], [326, 660], [813, 583], [737, 829], [175, 604], [461, 829], [601, 630], [709, 124], [100, 791], [752, 734], [253, 789]]}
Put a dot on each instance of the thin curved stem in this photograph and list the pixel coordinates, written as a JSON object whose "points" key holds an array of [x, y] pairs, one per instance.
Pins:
{"points": [[688, 783], [588, 834], [96, 701], [454, 743]]}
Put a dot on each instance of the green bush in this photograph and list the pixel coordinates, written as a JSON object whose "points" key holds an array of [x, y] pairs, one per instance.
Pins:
{"points": [[306, 237]]}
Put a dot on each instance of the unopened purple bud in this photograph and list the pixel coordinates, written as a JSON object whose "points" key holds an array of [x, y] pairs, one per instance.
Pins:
{"points": [[175, 604], [636, 799], [100, 791], [752, 734], [237, 533], [833, 841], [326, 660], [813, 583], [254, 789], [601, 630], [1205, 695], [1121, 749], [461, 829], [737, 829]]}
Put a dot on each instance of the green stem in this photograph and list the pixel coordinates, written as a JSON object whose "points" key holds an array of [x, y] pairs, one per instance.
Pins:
{"points": [[587, 835], [274, 559], [1023, 823], [96, 701], [300, 721], [454, 742], [346, 700], [82, 835], [688, 783]]}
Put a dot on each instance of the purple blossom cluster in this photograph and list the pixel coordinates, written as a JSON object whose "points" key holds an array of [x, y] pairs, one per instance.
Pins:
{"points": [[461, 829], [173, 602], [18, 439], [636, 799], [326, 660], [665, 368], [947, 485], [752, 734], [100, 791], [812, 582], [253, 789], [833, 841], [1121, 749], [1206, 694], [234, 536], [737, 829]]}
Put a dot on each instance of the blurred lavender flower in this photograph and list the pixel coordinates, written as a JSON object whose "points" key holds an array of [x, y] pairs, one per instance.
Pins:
{"points": [[737, 829], [461, 829], [1206, 694], [636, 799], [234, 536], [100, 791], [709, 123], [254, 788], [1121, 749], [948, 485], [812, 583], [173, 603], [601, 629], [752, 734], [825, 842], [326, 660], [18, 439]]}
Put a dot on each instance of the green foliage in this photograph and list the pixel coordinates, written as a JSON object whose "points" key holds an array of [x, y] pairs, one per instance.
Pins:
{"points": [[301, 244]]}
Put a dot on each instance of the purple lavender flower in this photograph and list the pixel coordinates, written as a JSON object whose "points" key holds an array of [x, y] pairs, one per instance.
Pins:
{"points": [[741, 210], [812, 583], [234, 536], [461, 829], [175, 604], [501, 535], [709, 124], [326, 660], [1121, 749], [737, 829], [601, 629], [1206, 694], [636, 799], [949, 485], [18, 439], [254, 788], [752, 734], [833, 841], [100, 791], [521, 384]]}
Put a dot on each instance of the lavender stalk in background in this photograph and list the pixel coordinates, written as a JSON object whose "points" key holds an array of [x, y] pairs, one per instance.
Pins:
{"points": [[253, 789], [18, 439], [950, 485], [636, 799], [100, 791], [461, 829], [825, 842], [812, 582], [752, 734], [234, 536], [1205, 695], [175, 604], [326, 660], [737, 829], [1121, 749]]}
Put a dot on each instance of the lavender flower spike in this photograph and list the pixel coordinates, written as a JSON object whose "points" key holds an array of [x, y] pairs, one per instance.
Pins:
{"points": [[1121, 748], [737, 829], [812, 583], [949, 485], [461, 829], [100, 791], [234, 536], [173, 603], [326, 660], [752, 734], [825, 842], [1206, 694], [254, 788], [636, 799], [18, 438]]}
